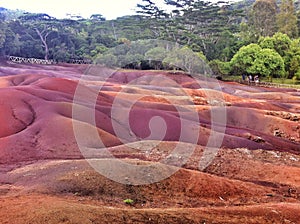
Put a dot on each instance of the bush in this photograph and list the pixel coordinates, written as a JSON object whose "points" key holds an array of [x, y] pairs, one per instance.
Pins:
{"points": [[220, 68], [296, 76]]}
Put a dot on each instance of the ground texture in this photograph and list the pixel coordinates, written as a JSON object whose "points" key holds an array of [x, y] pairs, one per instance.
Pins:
{"points": [[252, 174]]}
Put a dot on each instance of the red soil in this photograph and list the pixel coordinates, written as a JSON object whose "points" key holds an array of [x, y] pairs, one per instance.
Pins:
{"points": [[253, 178]]}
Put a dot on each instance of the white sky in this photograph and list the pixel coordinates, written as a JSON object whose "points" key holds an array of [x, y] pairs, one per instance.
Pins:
{"points": [[110, 9]]}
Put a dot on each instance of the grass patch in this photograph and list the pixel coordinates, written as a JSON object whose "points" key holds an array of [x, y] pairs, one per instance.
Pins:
{"points": [[282, 81], [263, 79]]}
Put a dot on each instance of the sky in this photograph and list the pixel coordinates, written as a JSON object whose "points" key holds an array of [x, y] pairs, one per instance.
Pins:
{"points": [[110, 9]]}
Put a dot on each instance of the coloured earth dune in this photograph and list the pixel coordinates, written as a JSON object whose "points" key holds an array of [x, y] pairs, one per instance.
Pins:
{"points": [[56, 119]]}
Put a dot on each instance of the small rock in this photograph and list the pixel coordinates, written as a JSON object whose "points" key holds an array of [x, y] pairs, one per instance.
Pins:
{"points": [[258, 139], [277, 133]]}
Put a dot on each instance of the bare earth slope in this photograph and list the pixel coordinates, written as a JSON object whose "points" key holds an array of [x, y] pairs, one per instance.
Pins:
{"points": [[44, 177]]}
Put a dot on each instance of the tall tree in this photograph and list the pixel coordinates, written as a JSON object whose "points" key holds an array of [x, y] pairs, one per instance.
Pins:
{"points": [[203, 24], [153, 16], [151, 10], [287, 19], [2, 33], [262, 17], [43, 25], [2, 29]]}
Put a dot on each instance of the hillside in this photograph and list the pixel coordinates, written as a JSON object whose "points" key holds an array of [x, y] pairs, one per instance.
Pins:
{"points": [[61, 141]]}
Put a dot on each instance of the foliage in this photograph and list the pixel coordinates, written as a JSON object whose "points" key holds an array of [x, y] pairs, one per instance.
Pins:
{"points": [[294, 56], [202, 26], [262, 18], [129, 201], [288, 49], [279, 42], [155, 54], [187, 60], [222, 33], [297, 76], [2, 33], [287, 19], [268, 63], [220, 68], [252, 59]]}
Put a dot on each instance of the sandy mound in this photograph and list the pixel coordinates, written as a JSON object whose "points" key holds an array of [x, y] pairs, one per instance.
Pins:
{"points": [[139, 116]]}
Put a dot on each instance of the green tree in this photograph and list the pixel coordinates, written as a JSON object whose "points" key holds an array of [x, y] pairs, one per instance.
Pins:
{"points": [[11, 45], [287, 19], [268, 63], [220, 68], [244, 58], [281, 43], [108, 60], [2, 33], [97, 17], [262, 17], [43, 25], [247, 35], [149, 9], [226, 45], [293, 55], [187, 60], [252, 59]]}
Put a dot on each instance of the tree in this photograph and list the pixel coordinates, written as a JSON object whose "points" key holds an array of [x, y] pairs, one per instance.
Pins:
{"points": [[187, 60], [97, 17], [293, 54], [220, 68], [155, 57], [262, 17], [226, 46], [195, 23], [252, 59], [153, 17], [207, 24], [287, 19], [43, 25], [151, 10], [11, 45], [156, 54], [2, 33], [268, 63], [2, 29], [108, 60], [244, 58], [281, 43], [247, 35]]}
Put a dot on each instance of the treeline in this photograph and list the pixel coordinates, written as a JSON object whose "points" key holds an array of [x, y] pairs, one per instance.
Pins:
{"points": [[155, 54], [225, 35], [200, 25]]}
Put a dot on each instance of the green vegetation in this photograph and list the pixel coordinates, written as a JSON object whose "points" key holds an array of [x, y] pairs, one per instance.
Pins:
{"points": [[254, 60], [128, 201], [249, 37]]}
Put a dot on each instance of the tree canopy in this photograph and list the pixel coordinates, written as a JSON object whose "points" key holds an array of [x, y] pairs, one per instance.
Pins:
{"points": [[217, 31], [254, 60]]}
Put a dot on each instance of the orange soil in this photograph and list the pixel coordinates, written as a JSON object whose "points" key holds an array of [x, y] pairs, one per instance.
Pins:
{"points": [[253, 178]]}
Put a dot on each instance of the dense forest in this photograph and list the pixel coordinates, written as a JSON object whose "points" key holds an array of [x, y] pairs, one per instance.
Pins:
{"points": [[249, 37]]}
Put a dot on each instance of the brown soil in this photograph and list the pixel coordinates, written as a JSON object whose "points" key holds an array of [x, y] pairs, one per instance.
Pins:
{"points": [[253, 178]]}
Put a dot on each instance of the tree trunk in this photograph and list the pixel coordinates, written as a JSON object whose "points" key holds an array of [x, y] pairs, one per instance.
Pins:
{"points": [[44, 41]]}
